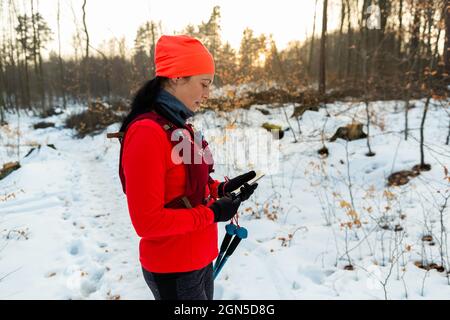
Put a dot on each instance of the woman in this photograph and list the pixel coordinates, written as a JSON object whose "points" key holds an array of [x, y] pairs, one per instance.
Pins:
{"points": [[174, 207]]}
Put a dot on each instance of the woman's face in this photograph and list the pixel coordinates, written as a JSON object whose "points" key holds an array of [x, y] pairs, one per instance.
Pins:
{"points": [[192, 91]]}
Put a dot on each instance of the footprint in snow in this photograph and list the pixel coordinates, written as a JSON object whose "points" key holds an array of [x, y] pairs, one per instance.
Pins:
{"points": [[314, 274], [75, 247]]}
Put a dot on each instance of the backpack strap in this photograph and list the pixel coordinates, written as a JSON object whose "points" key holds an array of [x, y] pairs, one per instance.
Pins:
{"points": [[181, 202]]}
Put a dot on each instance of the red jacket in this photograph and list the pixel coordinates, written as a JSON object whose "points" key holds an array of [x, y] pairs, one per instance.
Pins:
{"points": [[172, 240]]}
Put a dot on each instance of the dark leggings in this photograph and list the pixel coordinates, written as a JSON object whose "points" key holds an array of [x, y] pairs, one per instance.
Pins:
{"points": [[192, 285]]}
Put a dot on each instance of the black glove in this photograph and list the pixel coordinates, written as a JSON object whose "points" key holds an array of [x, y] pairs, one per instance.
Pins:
{"points": [[225, 208], [247, 190], [233, 184]]}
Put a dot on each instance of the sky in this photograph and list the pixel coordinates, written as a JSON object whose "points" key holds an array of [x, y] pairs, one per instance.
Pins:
{"points": [[287, 20]]}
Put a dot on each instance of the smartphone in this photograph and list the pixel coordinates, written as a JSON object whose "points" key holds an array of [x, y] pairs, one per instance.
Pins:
{"points": [[251, 182]]}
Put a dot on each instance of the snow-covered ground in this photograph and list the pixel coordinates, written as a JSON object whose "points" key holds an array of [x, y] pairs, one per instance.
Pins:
{"points": [[66, 233]]}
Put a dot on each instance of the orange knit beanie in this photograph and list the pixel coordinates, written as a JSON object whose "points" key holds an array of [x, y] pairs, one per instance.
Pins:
{"points": [[182, 56]]}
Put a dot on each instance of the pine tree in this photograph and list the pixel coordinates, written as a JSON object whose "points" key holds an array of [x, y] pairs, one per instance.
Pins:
{"points": [[209, 32]]}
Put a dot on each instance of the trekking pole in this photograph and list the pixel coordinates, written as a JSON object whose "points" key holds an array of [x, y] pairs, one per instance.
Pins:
{"points": [[240, 233], [230, 230]]}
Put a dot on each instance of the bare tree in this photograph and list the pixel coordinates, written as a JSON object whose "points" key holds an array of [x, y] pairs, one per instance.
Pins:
{"points": [[61, 66], [2, 76], [86, 58], [311, 48], [339, 42], [322, 67], [349, 39], [447, 40], [38, 29], [412, 64], [423, 166], [152, 50], [400, 29], [14, 56], [427, 83], [23, 55]]}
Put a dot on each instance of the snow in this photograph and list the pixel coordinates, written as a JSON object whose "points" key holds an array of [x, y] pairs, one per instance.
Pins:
{"points": [[65, 231]]}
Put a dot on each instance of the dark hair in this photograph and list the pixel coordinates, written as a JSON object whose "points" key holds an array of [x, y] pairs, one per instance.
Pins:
{"points": [[143, 100]]}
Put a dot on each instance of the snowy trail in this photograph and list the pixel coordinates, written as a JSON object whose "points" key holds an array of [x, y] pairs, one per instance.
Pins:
{"points": [[276, 278], [71, 224], [104, 244]]}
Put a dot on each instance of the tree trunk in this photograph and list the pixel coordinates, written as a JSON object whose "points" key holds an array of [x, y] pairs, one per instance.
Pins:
{"points": [[34, 53], [369, 153], [2, 93], [349, 40], [435, 54], [366, 77], [27, 79], [60, 62], [422, 126], [383, 4], [360, 45], [3, 87], [448, 135], [339, 59], [85, 29], [21, 51], [447, 40], [430, 20], [14, 56], [322, 67], [400, 30], [380, 43], [152, 52], [406, 116], [414, 49], [41, 78], [311, 48], [411, 76], [86, 58], [37, 58]]}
